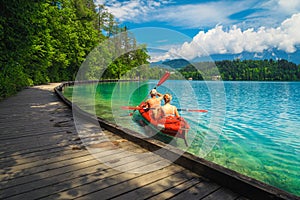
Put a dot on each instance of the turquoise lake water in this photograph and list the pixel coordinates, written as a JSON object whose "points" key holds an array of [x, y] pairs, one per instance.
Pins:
{"points": [[250, 127]]}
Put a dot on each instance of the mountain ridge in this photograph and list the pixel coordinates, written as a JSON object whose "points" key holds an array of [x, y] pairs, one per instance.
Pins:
{"points": [[266, 55]]}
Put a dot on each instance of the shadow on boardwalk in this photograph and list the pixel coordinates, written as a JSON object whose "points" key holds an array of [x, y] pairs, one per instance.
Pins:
{"points": [[42, 157]]}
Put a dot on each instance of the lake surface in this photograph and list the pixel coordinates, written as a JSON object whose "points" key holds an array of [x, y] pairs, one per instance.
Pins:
{"points": [[250, 127]]}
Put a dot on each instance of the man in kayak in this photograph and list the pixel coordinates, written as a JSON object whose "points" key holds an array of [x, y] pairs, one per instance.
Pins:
{"points": [[168, 109], [154, 102]]}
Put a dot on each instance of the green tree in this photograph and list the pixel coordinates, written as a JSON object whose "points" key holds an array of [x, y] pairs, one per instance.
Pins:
{"points": [[44, 41]]}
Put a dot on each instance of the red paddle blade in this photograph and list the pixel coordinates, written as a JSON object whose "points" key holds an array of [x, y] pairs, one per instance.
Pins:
{"points": [[163, 79], [197, 110], [129, 107], [192, 110]]}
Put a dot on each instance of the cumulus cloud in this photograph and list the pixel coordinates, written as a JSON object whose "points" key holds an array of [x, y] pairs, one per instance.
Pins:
{"points": [[234, 41]]}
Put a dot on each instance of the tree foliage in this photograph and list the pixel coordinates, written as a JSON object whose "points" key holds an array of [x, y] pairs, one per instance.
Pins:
{"points": [[47, 41], [246, 70]]}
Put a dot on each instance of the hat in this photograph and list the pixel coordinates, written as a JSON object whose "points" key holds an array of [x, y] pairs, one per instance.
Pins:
{"points": [[153, 92]]}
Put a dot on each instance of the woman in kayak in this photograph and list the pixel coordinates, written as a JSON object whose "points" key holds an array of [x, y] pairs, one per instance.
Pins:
{"points": [[168, 109]]}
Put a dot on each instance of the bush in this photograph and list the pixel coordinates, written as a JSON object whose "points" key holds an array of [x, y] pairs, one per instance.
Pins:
{"points": [[12, 80]]}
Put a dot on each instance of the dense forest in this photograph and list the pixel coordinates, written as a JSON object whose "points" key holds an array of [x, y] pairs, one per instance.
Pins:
{"points": [[238, 70], [47, 41]]}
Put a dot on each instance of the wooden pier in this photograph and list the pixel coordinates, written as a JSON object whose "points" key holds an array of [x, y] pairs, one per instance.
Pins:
{"points": [[42, 157]]}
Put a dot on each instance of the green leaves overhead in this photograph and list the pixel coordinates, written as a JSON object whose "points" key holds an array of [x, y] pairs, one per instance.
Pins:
{"points": [[47, 41]]}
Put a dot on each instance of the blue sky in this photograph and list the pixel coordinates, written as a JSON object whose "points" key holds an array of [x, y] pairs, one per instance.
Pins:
{"points": [[197, 28]]}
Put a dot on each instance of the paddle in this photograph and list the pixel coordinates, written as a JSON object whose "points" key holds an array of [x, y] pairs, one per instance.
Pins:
{"points": [[161, 81], [191, 110], [179, 109]]}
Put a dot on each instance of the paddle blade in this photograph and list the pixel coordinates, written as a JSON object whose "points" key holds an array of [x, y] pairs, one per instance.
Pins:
{"points": [[192, 110], [129, 107], [163, 79]]}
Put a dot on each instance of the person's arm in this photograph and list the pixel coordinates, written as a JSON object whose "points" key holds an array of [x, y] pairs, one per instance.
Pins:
{"points": [[147, 104], [160, 98], [162, 111], [176, 112]]}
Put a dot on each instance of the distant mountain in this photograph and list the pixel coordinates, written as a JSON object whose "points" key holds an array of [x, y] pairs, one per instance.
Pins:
{"points": [[268, 54], [174, 64], [177, 63]]}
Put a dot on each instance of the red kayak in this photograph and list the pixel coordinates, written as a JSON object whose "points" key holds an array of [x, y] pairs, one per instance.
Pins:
{"points": [[170, 125]]}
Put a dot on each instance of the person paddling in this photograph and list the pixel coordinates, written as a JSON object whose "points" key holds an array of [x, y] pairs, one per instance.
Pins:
{"points": [[154, 102], [168, 109]]}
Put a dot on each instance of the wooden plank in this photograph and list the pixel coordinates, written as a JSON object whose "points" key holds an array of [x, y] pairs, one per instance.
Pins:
{"points": [[242, 198], [23, 150], [47, 161], [31, 160], [61, 176], [33, 180], [56, 138], [223, 194], [41, 156], [106, 156], [51, 163], [44, 183], [197, 191], [80, 184], [22, 142], [45, 143], [23, 158], [157, 187], [14, 136], [11, 173], [120, 187], [27, 128], [18, 159], [176, 189], [146, 163]]}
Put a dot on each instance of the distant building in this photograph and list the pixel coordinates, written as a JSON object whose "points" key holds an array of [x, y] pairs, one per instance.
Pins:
{"points": [[216, 78]]}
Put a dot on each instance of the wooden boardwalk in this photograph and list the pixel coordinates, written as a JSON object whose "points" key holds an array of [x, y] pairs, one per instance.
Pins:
{"points": [[42, 157]]}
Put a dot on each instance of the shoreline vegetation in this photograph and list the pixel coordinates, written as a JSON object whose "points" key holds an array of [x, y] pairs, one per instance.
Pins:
{"points": [[43, 42], [242, 70]]}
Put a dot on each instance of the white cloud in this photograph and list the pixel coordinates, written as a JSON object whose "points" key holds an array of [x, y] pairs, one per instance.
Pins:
{"points": [[277, 10], [217, 41], [132, 10], [202, 14], [289, 5], [180, 15]]}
